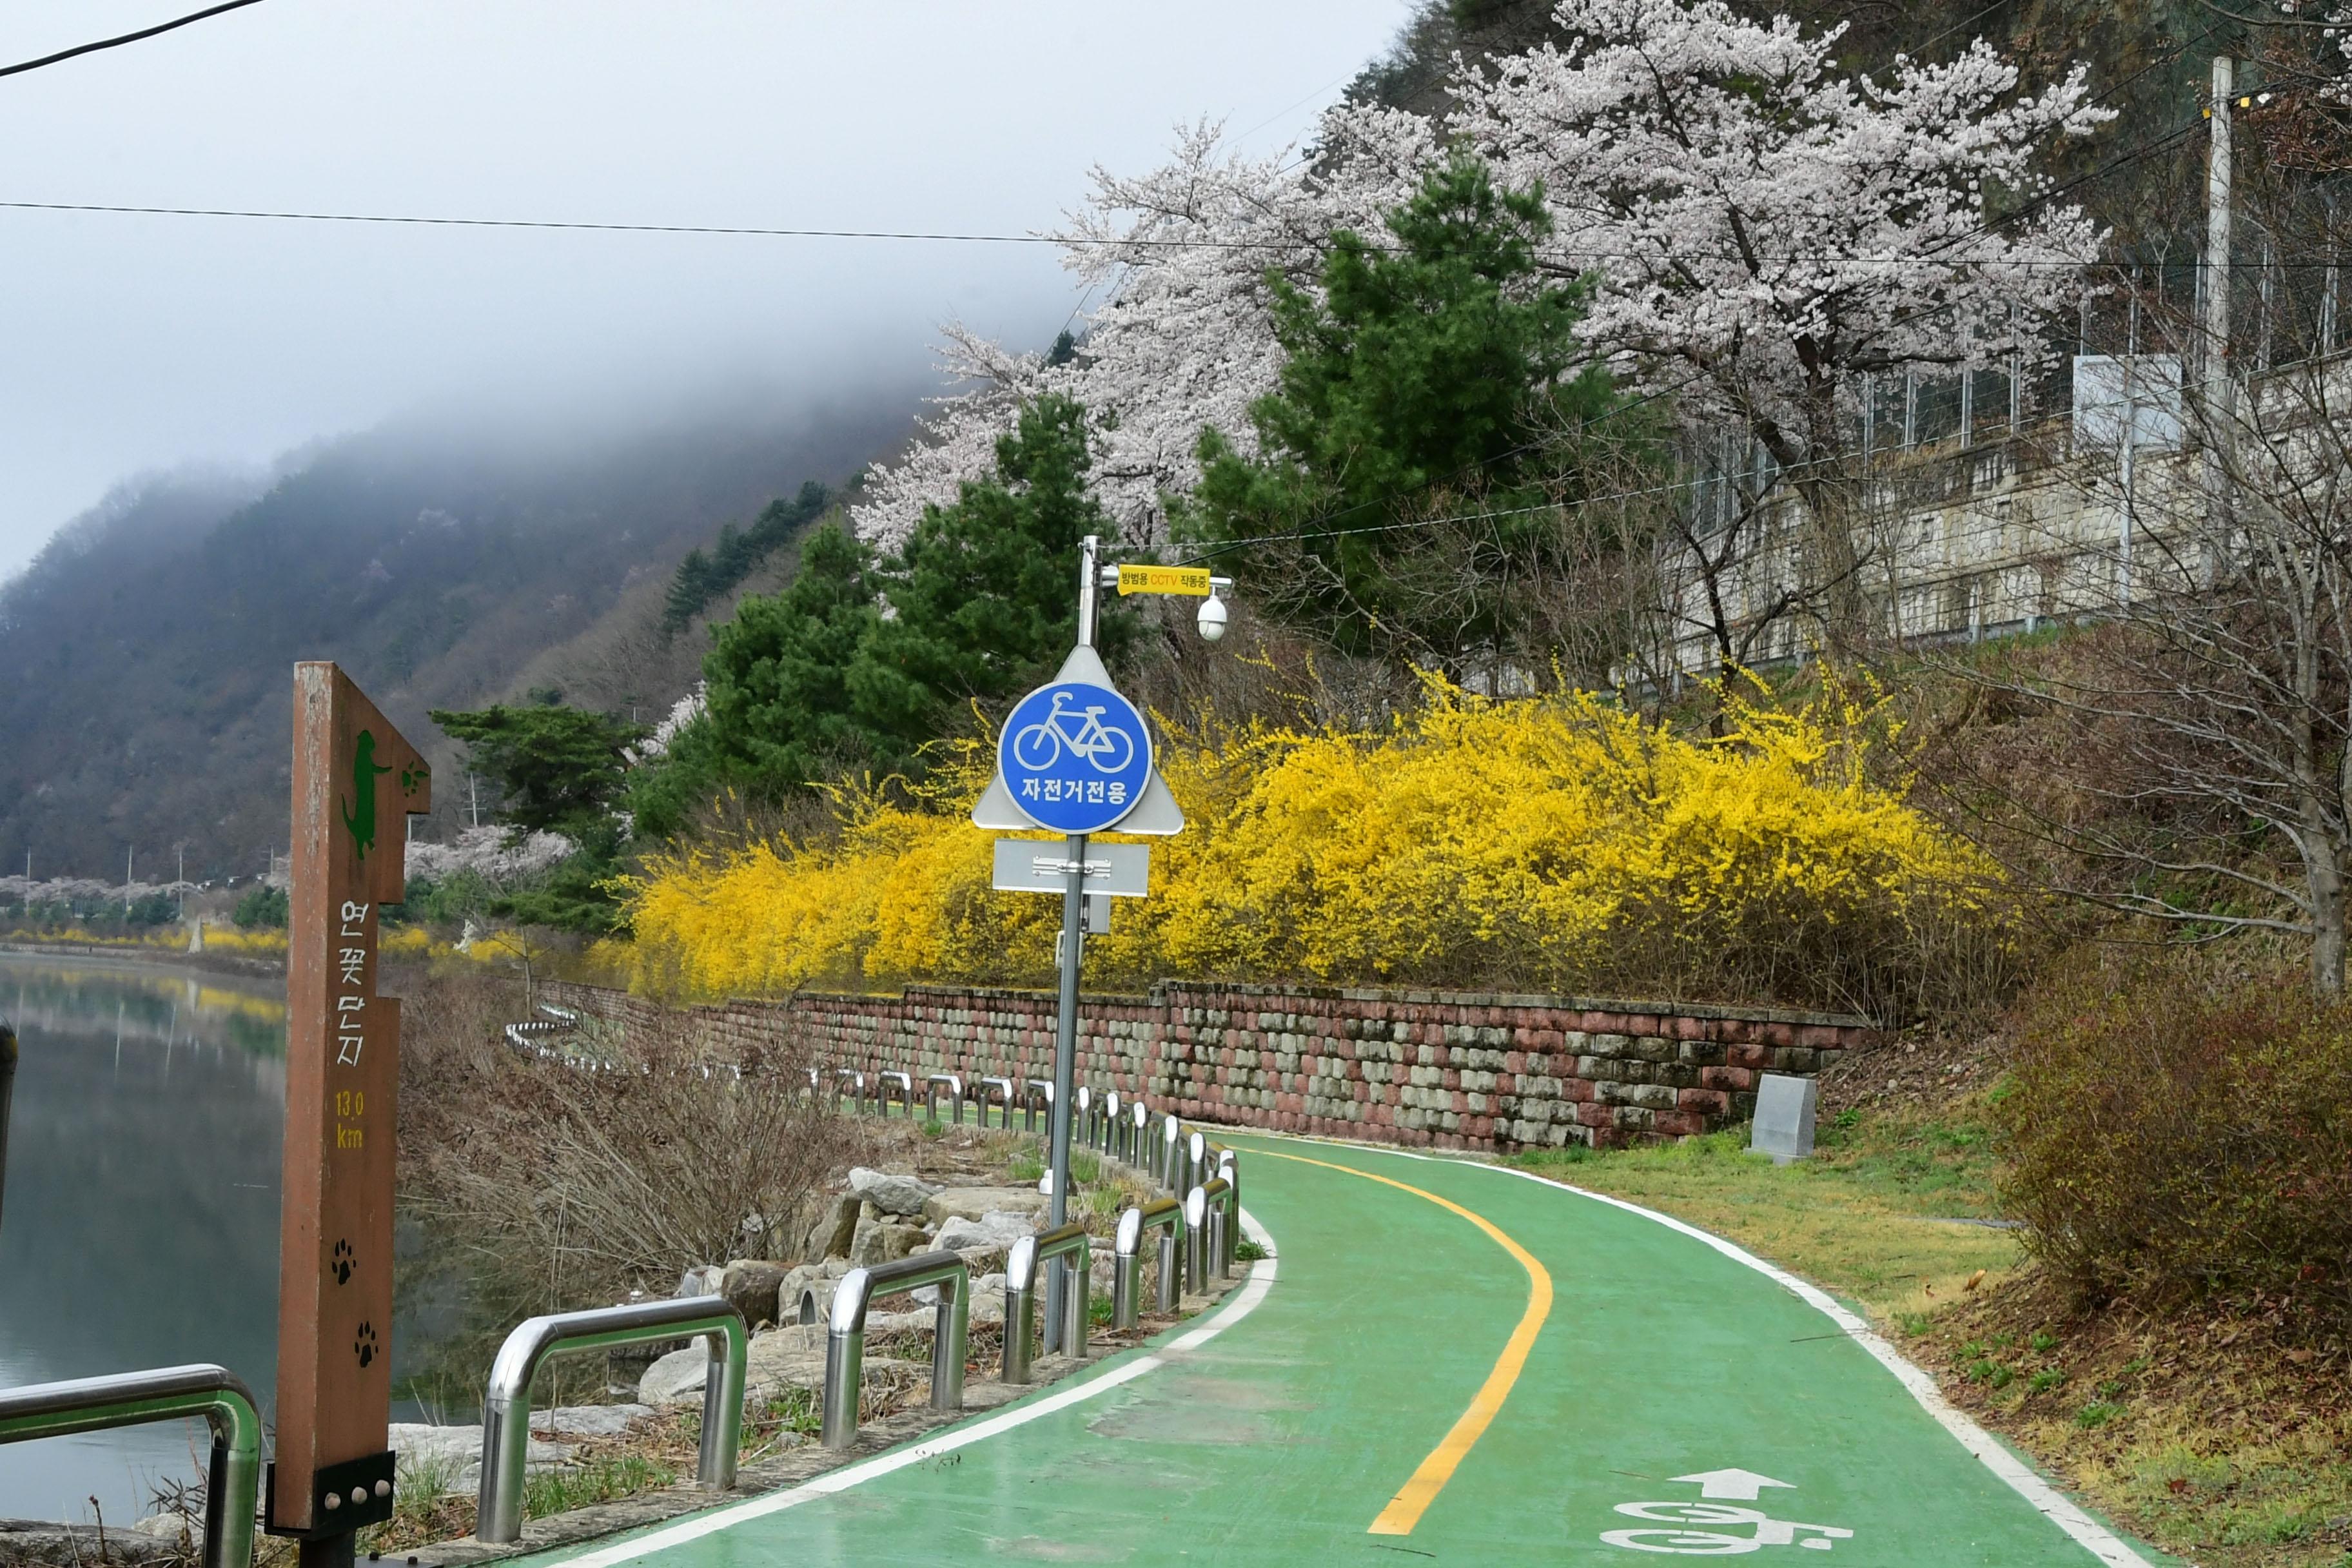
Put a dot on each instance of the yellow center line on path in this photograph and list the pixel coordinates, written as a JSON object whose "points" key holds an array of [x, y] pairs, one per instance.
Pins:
{"points": [[1413, 1499]]}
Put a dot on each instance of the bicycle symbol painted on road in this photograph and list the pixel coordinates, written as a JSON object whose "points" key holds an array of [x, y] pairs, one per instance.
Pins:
{"points": [[1083, 733], [1682, 1539]]}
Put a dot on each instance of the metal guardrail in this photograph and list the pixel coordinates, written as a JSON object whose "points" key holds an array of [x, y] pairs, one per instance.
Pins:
{"points": [[1165, 1215], [1196, 1163], [884, 1082], [1229, 1170], [954, 1086], [1004, 1088], [1029, 1254], [1139, 1120], [845, 1339], [233, 1481], [1208, 1214], [856, 1088], [1082, 1117], [505, 1407], [1164, 1151], [1039, 1092]]}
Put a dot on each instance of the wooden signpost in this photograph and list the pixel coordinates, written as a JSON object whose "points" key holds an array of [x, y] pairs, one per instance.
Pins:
{"points": [[356, 779]]}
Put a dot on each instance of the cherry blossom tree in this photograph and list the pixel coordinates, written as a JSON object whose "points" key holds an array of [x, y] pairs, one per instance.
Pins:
{"points": [[1183, 338], [1762, 232]]}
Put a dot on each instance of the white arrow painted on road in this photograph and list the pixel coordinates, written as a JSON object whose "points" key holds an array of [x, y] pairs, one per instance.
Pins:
{"points": [[1742, 1485]]}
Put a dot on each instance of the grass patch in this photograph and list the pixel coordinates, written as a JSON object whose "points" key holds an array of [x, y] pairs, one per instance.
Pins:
{"points": [[598, 1481], [1868, 1216]]}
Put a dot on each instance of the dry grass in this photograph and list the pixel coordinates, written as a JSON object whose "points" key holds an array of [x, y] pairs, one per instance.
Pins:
{"points": [[574, 1186], [1880, 1215], [2216, 1437], [2224, 1436]]}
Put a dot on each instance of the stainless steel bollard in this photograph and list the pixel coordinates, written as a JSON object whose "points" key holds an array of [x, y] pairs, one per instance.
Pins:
{"points": [[505, 1407], [1004, 1088], [884, 1082], [1138, 1126], [1165, 1215], [1041, 1090], [1217, 1198], [1196, 1161], [233, 1481], [845, 1339], [1110, 1124], [954, 1086], [1229, 1170], [1082, 1117], [1051, 1248], [1196, 1222], [1170, 1154]]}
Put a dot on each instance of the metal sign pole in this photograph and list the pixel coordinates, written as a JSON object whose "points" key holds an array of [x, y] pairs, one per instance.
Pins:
{"points": [[1065, 1051]]}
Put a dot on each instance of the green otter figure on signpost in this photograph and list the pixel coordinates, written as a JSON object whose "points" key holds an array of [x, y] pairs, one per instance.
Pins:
{"points": [[361, 824]]}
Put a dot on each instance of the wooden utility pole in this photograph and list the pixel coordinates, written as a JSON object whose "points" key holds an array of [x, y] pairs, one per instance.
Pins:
{"points": [[354, 778]]}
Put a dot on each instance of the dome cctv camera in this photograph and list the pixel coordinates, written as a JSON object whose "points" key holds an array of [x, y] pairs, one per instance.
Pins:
{"points": [[1212, 618]]}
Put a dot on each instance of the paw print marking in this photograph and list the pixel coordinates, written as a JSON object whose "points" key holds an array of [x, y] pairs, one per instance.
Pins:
{"points": [[342, 1263], [364, 1346]]}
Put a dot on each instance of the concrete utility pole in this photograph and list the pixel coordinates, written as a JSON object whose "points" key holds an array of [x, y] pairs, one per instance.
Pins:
{"points": [[2219, 401]]}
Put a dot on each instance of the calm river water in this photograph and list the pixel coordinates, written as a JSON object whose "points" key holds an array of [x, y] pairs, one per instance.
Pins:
{"points": [[139, 1225]]}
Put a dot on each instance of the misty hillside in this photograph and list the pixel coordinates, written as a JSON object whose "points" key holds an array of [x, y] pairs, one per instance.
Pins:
{"points": [[146, 655]]}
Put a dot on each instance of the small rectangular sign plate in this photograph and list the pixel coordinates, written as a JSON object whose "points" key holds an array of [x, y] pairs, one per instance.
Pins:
{"points": [[1041, 866], [1188, 580]]}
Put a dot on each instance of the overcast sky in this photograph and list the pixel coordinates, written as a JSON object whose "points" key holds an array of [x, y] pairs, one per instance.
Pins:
{"points": [[131, 342]]}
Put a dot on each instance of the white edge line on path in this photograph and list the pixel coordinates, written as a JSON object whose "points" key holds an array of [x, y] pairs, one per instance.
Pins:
{"points": [[1252, 1292], [2095, 1537]]}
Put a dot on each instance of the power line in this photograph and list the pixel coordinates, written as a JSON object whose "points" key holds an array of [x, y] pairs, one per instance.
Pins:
{"points": [[116, 43]]}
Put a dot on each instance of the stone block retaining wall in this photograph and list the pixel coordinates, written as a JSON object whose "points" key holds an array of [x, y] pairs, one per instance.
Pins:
{"points": [[1450, 1070]]}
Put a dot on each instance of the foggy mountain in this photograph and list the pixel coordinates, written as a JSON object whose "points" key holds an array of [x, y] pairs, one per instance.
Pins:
{"points": [[146, 655]]}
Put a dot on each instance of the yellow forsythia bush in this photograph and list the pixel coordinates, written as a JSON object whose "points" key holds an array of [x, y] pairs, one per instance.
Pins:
{"points": [[1555, 845]]}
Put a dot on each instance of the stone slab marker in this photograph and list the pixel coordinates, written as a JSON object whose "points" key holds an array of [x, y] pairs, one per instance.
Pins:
{"points": [[1784, 1116], [356, 779]]}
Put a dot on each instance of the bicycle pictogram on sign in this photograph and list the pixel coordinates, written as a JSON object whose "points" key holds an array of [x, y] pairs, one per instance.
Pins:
{"points": [[1074, 757], [1040, 745]]}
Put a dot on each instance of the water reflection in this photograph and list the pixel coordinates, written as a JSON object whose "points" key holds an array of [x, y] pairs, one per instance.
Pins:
{"points": [[140, 1219]]}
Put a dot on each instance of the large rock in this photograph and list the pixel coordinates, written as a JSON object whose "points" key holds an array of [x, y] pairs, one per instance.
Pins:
{"points": [[702, 1279], [587, 1420], [975, 1203], [987, 1300], [891, 1192], [998, 1229], [751, 1285], [675, 1378], [878, 1241], [835, 1229], [450, 1457], [810, 1286]]}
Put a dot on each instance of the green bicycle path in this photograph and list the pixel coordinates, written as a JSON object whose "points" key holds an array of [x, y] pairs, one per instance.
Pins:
{"points": [[1280, 1439]]}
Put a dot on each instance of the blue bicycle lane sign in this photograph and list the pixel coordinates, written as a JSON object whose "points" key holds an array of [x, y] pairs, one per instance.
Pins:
{"points": [[1074, 757]]}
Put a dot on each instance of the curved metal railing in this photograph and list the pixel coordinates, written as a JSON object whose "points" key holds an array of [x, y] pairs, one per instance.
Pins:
{"points": [[505, 1408], [233, 1485], [954, 1086], [1029, 1254], [1165, 1215], [845, 1339], [1004, 1088], [884, 1082]]}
